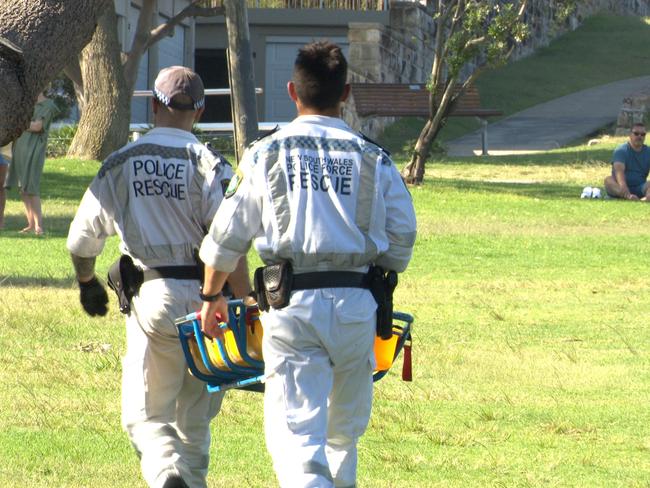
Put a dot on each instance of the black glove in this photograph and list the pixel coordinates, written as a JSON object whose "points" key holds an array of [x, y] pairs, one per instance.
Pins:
{"points": [[93, 297]]}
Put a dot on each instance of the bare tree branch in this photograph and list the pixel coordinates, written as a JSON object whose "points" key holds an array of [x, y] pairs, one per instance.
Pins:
{"points": [[477, 41], [145, 19], [471, 78], [146, 36], [441, 48], [131, 60], [73, 71], [522, 9], [455, 23], [192, 10]]}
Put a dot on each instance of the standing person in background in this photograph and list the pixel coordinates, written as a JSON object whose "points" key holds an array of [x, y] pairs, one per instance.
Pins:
{"points": [[319, 201], [28, 160], [159, 194], [630, 168]]}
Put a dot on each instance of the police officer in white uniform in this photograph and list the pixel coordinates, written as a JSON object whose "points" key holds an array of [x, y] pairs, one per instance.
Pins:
{"points": [[159, 195], [321, 197]]}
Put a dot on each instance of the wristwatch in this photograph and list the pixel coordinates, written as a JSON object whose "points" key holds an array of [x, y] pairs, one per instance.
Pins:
{"points": [[209, 298]]}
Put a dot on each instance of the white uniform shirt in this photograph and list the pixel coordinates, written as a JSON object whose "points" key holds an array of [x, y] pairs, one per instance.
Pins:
{"points": [[159, 194], [319, 195]]}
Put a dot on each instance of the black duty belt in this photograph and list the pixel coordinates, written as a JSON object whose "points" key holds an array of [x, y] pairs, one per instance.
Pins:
{"points": [[173, 272], [330, 279]]}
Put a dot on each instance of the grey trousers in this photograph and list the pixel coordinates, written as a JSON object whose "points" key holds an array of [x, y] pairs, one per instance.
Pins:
{"points": [[166, 412]]}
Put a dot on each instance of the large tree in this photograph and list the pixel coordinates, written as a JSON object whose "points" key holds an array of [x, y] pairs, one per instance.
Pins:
{"points": [[37, 39], [104, 77], [470, 36]]}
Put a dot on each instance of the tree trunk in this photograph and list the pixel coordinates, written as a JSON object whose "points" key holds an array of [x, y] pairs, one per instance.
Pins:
{"points": [[104, 123], [43, 36], [242, 80], [413, 172], [441, 102]]}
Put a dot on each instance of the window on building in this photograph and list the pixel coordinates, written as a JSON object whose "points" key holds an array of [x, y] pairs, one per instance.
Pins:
{"points": [[212, 66]]}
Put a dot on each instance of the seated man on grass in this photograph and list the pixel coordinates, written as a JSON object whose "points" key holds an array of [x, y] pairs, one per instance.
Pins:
{"points": [[630, 167]]}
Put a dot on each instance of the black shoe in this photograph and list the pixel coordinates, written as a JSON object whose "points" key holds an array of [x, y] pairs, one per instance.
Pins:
{"points": [[175, 481]]}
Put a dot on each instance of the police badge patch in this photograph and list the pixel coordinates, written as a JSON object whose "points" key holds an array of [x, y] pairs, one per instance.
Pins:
{"points": [[234, 184]]}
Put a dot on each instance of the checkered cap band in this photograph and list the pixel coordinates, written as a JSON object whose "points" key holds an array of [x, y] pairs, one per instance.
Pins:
{"points": [[179, 80]]}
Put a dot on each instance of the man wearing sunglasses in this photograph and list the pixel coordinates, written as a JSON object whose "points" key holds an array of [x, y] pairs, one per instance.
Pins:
{"points": [[630, 168]]}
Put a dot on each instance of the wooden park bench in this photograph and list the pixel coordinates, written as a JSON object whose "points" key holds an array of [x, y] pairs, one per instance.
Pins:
{"points": [[412, 100]]}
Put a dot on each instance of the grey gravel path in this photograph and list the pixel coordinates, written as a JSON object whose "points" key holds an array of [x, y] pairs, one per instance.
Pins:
{"points": [[552, 124]]}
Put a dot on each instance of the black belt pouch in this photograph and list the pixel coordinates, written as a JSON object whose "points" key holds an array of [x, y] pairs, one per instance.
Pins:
{"points": [[260, 293], [125, 279], [382, 287], [276, 280]]}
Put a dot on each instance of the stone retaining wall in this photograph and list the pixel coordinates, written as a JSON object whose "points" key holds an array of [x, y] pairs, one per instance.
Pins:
{"points": [[635, 108], [402, 52]]}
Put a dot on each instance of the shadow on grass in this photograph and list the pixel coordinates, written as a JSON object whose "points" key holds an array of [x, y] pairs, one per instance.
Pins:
{"points": [[547, 191], [64, 186], [60, 185], [54, 226], [7, 281], [581, 155]]}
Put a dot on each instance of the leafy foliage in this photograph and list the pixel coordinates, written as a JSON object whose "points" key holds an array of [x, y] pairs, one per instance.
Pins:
{"points": [[471, 35], [59, 139]]}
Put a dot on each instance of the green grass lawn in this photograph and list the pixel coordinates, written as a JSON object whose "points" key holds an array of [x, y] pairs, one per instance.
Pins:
{"points": [[600, 51], [530, 345]]}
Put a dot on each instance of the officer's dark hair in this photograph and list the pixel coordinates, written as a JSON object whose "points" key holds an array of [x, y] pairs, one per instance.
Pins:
{"points": [[319, 74]]}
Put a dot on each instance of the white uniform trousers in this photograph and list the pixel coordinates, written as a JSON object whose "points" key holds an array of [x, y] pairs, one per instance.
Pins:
{"points": [[165, 411], [318, 354]]}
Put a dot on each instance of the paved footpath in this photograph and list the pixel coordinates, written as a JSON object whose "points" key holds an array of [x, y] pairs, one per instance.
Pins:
{"points": [[552, 124]]}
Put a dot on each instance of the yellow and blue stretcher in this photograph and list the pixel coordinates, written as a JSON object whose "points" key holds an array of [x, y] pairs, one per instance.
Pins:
{"points": [[236, 360]]}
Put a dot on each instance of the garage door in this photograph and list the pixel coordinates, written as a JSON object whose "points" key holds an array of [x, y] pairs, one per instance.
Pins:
{"points": [[280, 55]]}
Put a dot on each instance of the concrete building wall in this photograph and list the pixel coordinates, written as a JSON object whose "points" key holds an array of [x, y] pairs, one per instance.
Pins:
{"points": [[278, 26]]}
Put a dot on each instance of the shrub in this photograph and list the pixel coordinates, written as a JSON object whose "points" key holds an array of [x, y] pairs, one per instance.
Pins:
{"points": [[59, 140]]}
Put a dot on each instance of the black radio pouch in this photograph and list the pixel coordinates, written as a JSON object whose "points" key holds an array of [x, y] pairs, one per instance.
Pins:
{"points": [[382, 286], [258, 286], [125, 279], [273, 285]]}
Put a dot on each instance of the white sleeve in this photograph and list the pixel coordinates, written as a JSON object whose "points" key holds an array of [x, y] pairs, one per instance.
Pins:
{"points": [[93, 222], [236, 222], [213, 192], [400, 222]]}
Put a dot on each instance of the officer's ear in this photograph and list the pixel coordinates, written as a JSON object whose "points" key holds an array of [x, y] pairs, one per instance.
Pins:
{"points": [[291, 89], [346, 92], [198, 114]]}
